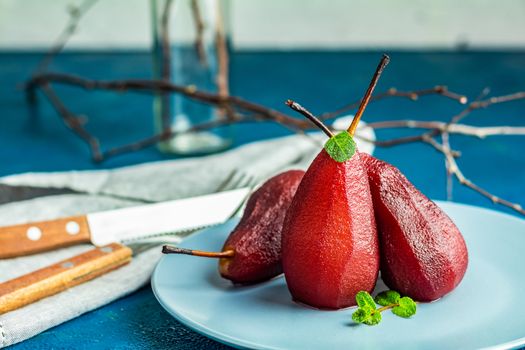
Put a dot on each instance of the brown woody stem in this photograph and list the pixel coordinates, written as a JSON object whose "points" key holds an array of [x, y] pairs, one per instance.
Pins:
{"points": [[298, 108], [364, 102], [199, 32], [168, 249]]}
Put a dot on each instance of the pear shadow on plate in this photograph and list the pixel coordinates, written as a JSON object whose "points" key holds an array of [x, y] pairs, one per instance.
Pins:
{"points": [[351, 323], [277, 295], [214, 279], [273, 291]]}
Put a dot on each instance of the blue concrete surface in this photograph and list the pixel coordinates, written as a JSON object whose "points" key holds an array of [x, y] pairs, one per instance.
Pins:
{"points": [[320, 80]]}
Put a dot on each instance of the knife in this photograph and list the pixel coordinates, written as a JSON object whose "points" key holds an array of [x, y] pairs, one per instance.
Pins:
{"points": [[121, 225], [58, 277]]}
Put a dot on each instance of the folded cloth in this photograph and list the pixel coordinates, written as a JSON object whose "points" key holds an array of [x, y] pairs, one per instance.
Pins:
{"points": [[109, 189]]}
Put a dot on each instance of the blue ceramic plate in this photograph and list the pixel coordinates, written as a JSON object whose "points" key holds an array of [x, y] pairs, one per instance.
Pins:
{"points": [[483, 312]]}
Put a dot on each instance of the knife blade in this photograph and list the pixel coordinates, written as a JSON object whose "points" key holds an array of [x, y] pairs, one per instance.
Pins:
{"points": [[121, 225]]}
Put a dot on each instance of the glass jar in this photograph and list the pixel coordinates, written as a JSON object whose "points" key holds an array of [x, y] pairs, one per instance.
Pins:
{"points": [[190, 48]]}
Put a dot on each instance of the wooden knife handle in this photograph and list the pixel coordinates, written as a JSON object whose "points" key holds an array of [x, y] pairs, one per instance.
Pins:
{"points": [[25, 239], [56, 278]]}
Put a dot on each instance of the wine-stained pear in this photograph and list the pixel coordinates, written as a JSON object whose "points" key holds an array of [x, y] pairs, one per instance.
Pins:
{"points": [[330, 245], [423, 254], [252, 251]]}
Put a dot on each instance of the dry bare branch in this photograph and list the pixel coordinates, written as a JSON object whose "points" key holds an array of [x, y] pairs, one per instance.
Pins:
{"points": [[393, 92], [75, 15], [199, 32]]}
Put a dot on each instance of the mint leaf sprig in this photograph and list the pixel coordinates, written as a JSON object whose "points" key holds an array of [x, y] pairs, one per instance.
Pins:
{"points": [[369, 314], [341, 147]]}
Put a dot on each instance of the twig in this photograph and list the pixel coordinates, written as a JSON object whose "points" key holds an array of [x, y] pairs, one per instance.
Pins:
{"points": [[453, 169], [393, 92], [152, 86], [156, 86], [460, 129], [483, 132], [408, 139], [463, 129], [199, 32], [222, 81], [298, 108], [165, 63], [165, 38], [166, 135], [449, 182], [73, 122], [471, 107], [451, 165], [75, 15], [368, 94], [438, 147], [261, 113], [450, 124]]}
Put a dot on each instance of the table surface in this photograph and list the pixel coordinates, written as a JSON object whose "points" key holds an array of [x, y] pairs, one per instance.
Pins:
{"points": [[320, 80]]}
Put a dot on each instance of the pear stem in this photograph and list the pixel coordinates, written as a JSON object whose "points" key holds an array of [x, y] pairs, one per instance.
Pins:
{"points": [[364, 102], [298, 108], [168, 249]]}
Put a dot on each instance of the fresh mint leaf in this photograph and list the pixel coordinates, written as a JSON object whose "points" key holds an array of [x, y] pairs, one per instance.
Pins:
{"points": [[367, 315], [388, 297], [374, 318], [364, 299], [360, 315], [341, 147], [406, 307]]}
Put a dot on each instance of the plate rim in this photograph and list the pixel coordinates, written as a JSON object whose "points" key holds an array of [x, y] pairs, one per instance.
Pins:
{"points": [[240, 343], [197, 326]]}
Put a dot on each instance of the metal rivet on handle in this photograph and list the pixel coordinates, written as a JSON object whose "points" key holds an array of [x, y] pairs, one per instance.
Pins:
{"points": [[34, 233], [106, 249], [72, 228]]}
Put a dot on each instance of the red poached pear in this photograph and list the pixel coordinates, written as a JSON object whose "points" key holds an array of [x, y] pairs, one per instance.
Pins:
{"points": [[252, 251], [330, 245], [257, 238], [330, 248], [423, 254]]}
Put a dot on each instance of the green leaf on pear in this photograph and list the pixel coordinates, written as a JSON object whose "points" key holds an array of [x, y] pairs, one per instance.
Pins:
{"points": [[341, 147], [387, 297]]}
